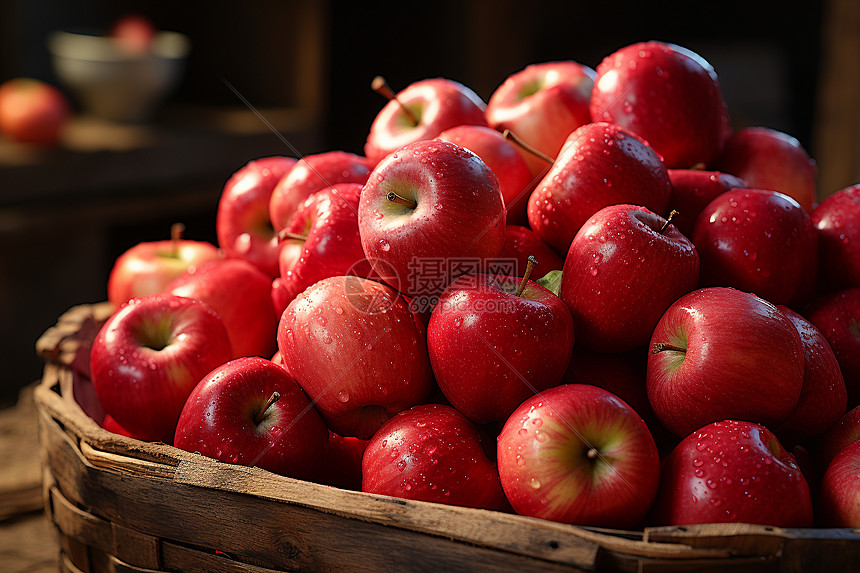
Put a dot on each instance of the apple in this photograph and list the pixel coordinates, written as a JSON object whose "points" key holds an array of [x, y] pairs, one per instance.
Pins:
{"points": [[309, 175], [343, 462], [837, 219], [321, 241], [241, 295], [421, 111], [111, 425], [426, 207], [624, 268], [149, 356], [770, 159], [431, 453], [759, 241], [732, 471], [669, 96], [542, 104], [134, 34], [32, 111], [839, 501], [578, 454], [148, 267], [242, 222], [837, 316], [840, 434], [600, 165], [693, 189], [520, 244], [249, 411], [496, 340], [502, 157], [354, 347], [823, 396], [719, 353]]}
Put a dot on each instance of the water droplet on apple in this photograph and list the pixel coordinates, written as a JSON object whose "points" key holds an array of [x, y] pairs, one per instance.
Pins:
{"points": [[534, 483], [343, 396]]}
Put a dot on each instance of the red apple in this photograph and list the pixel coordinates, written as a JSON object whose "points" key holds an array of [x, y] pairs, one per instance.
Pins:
{"points": [[113, 426], [839, 502], [353, 346], [840, 434], [837, 219], [520, 244], [542, 104], [32, 111], [624, 268], [719, 353], [242, 220], [578, 454], [758, 241], [693, 189], [250, 412], [837, 316], [328, 221], [732, 472], [149, 356], [492, 346], [134, 34], [823, 397], [309, 175], [600, 165], [502, 157], [669, 96], [431, 453], [426, 207], [769, 159], [437, 104], [147, 268], [241, 294], [343, 462]]}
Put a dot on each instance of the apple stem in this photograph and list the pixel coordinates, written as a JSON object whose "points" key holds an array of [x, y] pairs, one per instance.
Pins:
{"points": [[515, 138], [592, 454], [662, 346], [665, 226], [272, 399], [176, 232], [530, 266], [380, 86], [395, 198], [284, 235]]}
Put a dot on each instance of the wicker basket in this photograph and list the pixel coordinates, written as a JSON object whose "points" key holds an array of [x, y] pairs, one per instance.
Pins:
{"points": [[121, 504]]}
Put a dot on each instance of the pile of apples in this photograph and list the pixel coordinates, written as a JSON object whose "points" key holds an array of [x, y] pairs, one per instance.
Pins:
{"points": [[690, 354]]}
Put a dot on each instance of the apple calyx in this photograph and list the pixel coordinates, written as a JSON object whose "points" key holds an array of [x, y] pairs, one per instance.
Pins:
{"points": [[674, 213], [534, 151], [395, 198], [380, 86], [592, 453], [665, 346], [261, 414], [530, 265]]}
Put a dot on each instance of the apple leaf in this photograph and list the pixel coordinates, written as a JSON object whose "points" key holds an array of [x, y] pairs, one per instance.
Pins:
{"points": [[551, 281]]}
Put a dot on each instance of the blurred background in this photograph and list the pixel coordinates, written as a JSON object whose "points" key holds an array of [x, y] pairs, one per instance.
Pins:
{"points": [[67, 212]]}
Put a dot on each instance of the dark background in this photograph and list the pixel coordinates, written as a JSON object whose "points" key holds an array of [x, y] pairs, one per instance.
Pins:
{"points": [[767, 55]]}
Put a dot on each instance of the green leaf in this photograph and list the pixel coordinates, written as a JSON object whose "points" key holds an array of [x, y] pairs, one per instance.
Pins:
{"points": [[551, 281]]}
